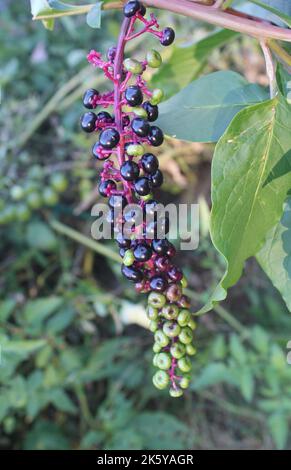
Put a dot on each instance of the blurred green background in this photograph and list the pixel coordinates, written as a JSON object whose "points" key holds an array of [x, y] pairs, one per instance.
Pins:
{"points": [[75, 369]]}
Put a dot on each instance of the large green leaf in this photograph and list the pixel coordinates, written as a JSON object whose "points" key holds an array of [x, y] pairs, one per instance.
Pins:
{"points": [[275, 256], [247, 202], [186, 63], [283, 16], [202, 111]]}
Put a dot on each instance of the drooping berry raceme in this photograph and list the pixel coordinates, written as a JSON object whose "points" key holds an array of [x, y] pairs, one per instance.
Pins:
{"points": [[129, 176]]}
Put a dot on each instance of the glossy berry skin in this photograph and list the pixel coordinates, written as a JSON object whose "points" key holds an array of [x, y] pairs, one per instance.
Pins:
{"points": [[157, 179], [133, 95], [142, 252], [97, 152], [158, 283], [142, 186], [140, 127], [162, 263], [152, 111], [117, 202], [175, 274], [149, 163], [89, 98], [156, 136], [105, 187], [160, 246], [168, 37], [129, 170], [122, 241], [109, 138], [131, 8], [88, 122], [142, 10], [131, 273], [104, 118]]}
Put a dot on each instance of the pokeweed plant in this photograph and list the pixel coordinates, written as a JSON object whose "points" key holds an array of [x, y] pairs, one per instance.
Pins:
{"points": [[250, 170]]}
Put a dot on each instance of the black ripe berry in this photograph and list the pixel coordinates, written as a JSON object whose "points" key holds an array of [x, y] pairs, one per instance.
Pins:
{"points": [[158, 283], [142, 186], [129, 170], [140, 127], [133, 95], [109, 138], [122, 241], [152, 111], [106, 186], [104, 118], [88, 122], [157, 179], [131, 8], [90, 97], [98, 152], [161, 246], [117, 202], [142, 252], [156, 136], [175, 274], [142, 10], [150, 208], [131, 273], [168, 36], [149, 163]]}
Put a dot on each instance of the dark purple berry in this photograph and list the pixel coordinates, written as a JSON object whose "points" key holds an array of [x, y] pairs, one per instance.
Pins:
{"points": [[122, 252], [98, 152], [142, 252], [109, 138], [105, 187], [125, 121], [157, 179], [140, 127], [88, 122], [156, 136], [162, 263], [149, 163], [161, 246], [175, 274], [122, 241], [129, 170], [133, 95], [158, 283], [150, 208], [132, 274], [168, 36], [171, 251], [117, 202], [152, 111], [111, 53], [142, 186], [131, 8], [130, 215], [104, 118], [142, 10], [89, 98]]}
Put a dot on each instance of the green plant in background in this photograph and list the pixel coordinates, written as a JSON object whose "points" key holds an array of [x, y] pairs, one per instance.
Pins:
{"points": [[67, 337]]}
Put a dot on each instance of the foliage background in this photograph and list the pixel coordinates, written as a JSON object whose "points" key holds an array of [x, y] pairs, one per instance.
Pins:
{"points": [[75, 366]]}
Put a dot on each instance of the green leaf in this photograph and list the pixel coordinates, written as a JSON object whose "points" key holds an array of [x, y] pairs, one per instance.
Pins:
{"points": [[244, 207], [39, 309], [186, 63], [237, 350], [213, 374], [285, 18], [6, 308], [40, 236], [278, 425], [62, 401], [23, 347], [47, 9], [94, 16], [275, 256], [202, 111], [247, 384]]}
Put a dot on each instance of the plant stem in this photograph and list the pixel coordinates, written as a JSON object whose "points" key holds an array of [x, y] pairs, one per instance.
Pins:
{"points": [[280, 52], [270, 67]]}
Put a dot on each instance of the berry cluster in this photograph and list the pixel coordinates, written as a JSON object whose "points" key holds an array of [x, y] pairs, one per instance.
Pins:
{"points": [[35, 192], [130, 174]]}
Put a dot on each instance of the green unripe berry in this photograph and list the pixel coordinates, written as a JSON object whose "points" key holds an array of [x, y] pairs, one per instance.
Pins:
{"points": [[152, 313], [163, 361], [140, 112], [59, 182], [30, 187], [146, 198], [171, 329], [156, 300], [184, 364], [184, 317], [155, 360], [161, 338], [34, 200], [184, 382], [22, 213], [50, 197], [184, 282], [178, 350], [133, 66], [36, 172], [135, 150], [16, 193], [190, 349], [192, 324], [186, 335], [128, 258], [156, 348], [154, 59], [153, 326], [157, 96], [170, 312], [161, 379], [175, 392]]}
